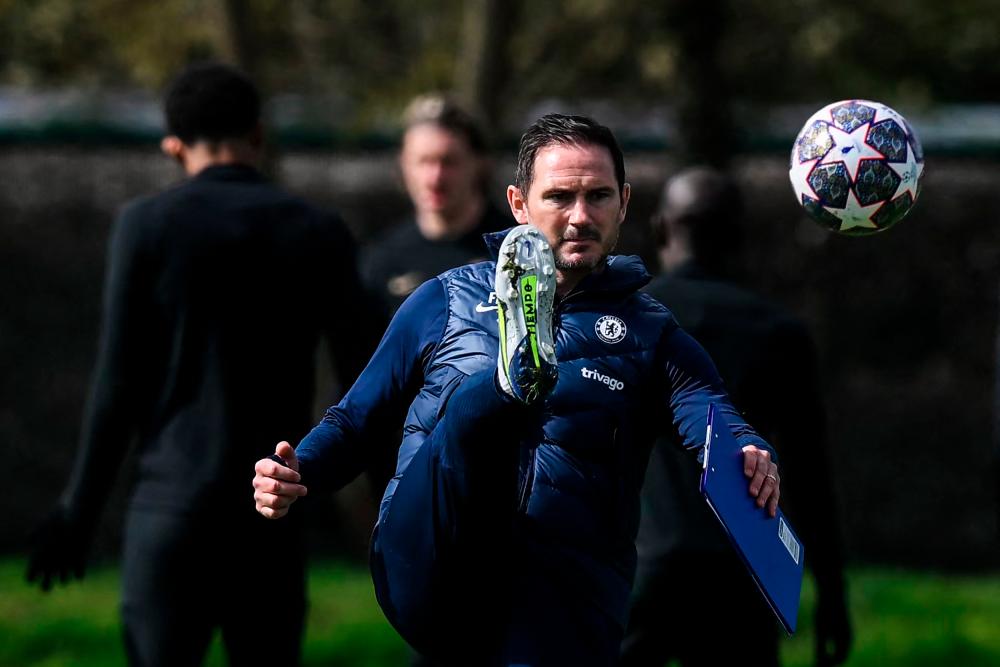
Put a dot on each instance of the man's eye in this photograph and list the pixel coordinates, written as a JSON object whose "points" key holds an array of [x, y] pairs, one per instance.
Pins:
{"points": [[558, 197], [599, 196]]}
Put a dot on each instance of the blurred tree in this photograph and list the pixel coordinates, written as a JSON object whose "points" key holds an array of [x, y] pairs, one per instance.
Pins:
{"points": [[481, 64], [918, 51], [705, 132], [363, 60], [102, 42]]}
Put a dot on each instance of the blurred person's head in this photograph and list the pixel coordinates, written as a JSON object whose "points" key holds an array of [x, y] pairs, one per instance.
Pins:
{"points": [[700, 220], [570, 183], [213, 117], [445, 166]]}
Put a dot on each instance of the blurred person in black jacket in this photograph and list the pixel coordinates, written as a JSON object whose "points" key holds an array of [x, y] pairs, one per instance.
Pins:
{"points": [[218, 291], [445, 167], [693, 599]]}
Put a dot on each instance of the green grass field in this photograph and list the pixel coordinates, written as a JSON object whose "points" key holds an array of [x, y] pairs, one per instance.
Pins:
{"points": [[900, 618]]}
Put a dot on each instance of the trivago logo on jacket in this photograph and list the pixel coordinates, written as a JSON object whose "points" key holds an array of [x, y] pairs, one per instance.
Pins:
{"points": [[613, 384]]}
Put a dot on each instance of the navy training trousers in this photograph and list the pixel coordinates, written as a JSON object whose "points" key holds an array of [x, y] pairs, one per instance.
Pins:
{"points": [[461, 571], [441, 556]]}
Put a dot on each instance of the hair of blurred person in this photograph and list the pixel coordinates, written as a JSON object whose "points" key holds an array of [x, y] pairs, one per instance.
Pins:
{"points": [[566, 130], [445, 165], [213, 116]]}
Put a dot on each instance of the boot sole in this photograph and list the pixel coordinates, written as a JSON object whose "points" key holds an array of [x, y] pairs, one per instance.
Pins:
{"points": [[525, 288]]}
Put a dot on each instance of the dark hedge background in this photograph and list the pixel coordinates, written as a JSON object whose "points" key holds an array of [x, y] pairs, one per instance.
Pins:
{"points": [[905, 323]]}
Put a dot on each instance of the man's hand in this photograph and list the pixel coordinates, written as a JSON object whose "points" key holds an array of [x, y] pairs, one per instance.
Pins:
{"points": [[277, 486], [58, 550], [833, 628], [765, 482]]}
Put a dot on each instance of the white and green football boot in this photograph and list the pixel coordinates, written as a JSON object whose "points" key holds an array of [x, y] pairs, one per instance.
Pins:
{"points": [[525, 286]]}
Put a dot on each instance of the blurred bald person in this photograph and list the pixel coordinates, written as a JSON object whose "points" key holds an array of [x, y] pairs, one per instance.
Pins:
{"points": [[768, 362]]}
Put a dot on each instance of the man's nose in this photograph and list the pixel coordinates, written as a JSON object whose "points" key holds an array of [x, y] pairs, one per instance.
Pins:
{"points": [[579, 214], [435, 173]]}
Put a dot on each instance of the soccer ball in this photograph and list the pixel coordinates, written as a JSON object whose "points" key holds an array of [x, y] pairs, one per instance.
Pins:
{"points": [[856, 167]]}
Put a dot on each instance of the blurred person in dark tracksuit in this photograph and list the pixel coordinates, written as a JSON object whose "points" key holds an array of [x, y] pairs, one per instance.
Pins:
{"points": [[218, 291], [693, 599], [445, 167]]}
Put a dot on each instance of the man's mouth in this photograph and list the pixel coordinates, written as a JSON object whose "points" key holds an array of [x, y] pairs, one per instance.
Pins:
{"points": [[581, 237], [574, 243], [437, 196]]}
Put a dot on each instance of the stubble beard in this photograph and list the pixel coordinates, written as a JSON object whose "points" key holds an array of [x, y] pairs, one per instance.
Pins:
{"points": [[579, 264], [585, 264]]}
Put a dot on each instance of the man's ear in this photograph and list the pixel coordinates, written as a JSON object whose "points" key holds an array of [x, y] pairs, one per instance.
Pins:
{"points": [[173, 147], [626, 194], [518, 204]]}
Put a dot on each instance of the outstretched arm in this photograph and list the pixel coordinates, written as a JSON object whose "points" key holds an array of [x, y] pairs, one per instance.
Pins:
{"points": [[693, 384]]}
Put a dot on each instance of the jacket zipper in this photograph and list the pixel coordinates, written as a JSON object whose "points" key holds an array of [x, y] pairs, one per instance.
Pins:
{"points": [[524, 494]]}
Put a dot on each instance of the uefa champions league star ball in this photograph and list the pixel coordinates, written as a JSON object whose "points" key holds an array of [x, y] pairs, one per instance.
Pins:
{"points": [[856, 167]]}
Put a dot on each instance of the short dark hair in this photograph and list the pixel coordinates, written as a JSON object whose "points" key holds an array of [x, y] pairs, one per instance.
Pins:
{"points": [[211, 102], [446, 113], [559, 129]]}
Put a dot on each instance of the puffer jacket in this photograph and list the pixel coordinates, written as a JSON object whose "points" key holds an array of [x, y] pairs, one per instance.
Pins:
{"points": [[627, 372]]}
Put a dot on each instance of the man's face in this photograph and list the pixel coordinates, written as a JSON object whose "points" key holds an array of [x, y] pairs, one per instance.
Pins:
{"points": [[441, 172], [574, 201]]}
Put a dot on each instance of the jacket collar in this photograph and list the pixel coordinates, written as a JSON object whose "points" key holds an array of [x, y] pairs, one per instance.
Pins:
{"points": [[229, 172], [621, 274]]}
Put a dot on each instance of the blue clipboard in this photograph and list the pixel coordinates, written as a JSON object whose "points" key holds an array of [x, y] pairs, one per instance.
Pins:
{"points": [[768, 546]]}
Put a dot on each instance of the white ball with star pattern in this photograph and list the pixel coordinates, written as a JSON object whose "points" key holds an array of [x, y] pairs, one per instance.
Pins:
{"points": [[856, 167]]}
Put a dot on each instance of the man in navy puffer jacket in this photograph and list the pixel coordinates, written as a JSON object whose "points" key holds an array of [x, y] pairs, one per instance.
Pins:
{"points": [[506, 536]]}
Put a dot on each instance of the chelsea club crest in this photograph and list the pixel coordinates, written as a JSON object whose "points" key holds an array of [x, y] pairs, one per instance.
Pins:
{"points": [[610, 329]]}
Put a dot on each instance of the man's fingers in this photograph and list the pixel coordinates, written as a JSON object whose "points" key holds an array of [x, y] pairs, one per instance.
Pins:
{"points": [[269, 468], [756, 465], [764, 482], [770, 491], [276, 487], [272, 506], [772, 502], [269, 513], [272, 501], [751, 457], [272, 497], [287, 452]]}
